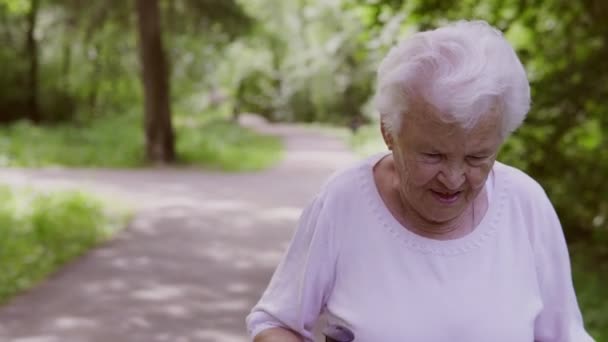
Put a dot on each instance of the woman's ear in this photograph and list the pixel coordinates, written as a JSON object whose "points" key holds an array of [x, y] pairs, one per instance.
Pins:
{"points": [[386, 135]]}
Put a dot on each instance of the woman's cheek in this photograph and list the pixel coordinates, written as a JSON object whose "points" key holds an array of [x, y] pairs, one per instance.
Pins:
{"points": [[478, 176], [423, 175]]}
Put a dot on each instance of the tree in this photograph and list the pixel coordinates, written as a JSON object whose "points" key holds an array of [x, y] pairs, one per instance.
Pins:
{"points": [[160, 140], [31, 51], [563, 45]]}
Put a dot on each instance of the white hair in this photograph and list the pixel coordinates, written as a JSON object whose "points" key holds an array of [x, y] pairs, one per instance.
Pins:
{"points": [[464, 70]]}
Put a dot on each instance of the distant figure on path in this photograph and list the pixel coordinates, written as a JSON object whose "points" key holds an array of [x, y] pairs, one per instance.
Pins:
{"points": [[434, 241]]}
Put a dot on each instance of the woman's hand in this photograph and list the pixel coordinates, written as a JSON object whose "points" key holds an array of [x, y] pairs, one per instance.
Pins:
{"points": [[277, 335]]}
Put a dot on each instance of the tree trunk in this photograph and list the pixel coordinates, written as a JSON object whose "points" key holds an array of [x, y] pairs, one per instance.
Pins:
{"points": [[67, 52], [158, 127], [95, 76], [31, 50]]}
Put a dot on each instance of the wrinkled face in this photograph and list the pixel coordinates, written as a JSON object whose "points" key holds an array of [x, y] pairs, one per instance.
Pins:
{"points": [[441, 166]]}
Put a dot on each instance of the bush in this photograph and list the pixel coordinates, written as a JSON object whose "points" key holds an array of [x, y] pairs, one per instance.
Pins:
{"points": [[109, 142], [590, 272], [117, 141], [41, 232], [220, 144]]}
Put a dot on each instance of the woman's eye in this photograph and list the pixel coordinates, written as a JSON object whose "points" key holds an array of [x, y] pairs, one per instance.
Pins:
{"points": [[432, 156], [476, 158]]}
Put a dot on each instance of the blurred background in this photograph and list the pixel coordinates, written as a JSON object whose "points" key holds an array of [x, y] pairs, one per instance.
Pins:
{"points": [[138, 84]]}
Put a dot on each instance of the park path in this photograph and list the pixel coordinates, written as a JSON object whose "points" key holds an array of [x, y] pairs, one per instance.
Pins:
{"points": [[193, 261]]}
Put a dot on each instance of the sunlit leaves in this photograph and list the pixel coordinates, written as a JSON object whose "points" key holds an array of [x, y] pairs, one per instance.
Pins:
{"points": [[16, 7]]}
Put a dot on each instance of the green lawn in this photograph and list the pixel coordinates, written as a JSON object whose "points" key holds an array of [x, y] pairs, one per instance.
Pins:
{"points": [[40, 232], [590, 271], [222, 145], [117, 142]]}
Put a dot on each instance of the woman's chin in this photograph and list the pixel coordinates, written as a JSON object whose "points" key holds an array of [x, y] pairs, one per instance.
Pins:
{"points": [[443, 214]]}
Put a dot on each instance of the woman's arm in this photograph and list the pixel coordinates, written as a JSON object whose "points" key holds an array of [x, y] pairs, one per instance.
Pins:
{"points": [[303, 280], [560, 319], [277, 335]]}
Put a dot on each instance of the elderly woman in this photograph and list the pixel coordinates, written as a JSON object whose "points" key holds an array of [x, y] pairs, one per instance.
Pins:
{"points": [[436, 240]]}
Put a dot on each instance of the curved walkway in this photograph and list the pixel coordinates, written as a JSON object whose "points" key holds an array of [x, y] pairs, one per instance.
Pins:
{"points": [[193, 261]]}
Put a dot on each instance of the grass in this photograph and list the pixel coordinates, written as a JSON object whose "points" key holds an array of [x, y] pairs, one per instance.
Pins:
{"points": [[117, 142], [107, 142], [40, 232], [222, 145], [367, 141], [590, 272]]}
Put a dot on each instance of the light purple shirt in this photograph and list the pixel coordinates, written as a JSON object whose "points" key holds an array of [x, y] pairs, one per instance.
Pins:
{"points": [[507, 281]]}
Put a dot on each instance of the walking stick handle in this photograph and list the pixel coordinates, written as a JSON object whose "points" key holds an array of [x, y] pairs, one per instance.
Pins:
{"points": [[338, 333]]}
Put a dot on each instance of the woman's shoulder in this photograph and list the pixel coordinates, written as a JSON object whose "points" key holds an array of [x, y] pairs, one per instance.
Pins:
{"points": [[347, 182], [517, 182], [528, 200]]}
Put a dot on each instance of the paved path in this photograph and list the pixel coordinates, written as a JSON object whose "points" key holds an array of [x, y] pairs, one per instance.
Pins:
{"points": [[192, 262]]}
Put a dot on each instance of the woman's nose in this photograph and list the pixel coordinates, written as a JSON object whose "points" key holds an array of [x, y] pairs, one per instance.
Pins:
{"points": [[452, 177]]}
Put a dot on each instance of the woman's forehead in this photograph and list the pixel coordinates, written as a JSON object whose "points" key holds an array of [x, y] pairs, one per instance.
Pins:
{"points": [[430, 128]]}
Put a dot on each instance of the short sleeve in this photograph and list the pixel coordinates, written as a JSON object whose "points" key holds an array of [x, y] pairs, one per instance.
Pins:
{"points": [[303, 280], [560, 319]]}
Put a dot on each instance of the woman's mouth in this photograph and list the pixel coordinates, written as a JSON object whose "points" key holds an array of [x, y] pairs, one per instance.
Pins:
{"points": [[446, 197]]}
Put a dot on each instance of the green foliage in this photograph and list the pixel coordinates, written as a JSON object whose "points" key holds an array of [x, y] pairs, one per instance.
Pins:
{"points": [[562, 144], [88, 60], [219, 17], [222, 145], [108, 142], [16, 6], [39, 232], [314, 63], [117, 141], [368, 141], [590, 274]]}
